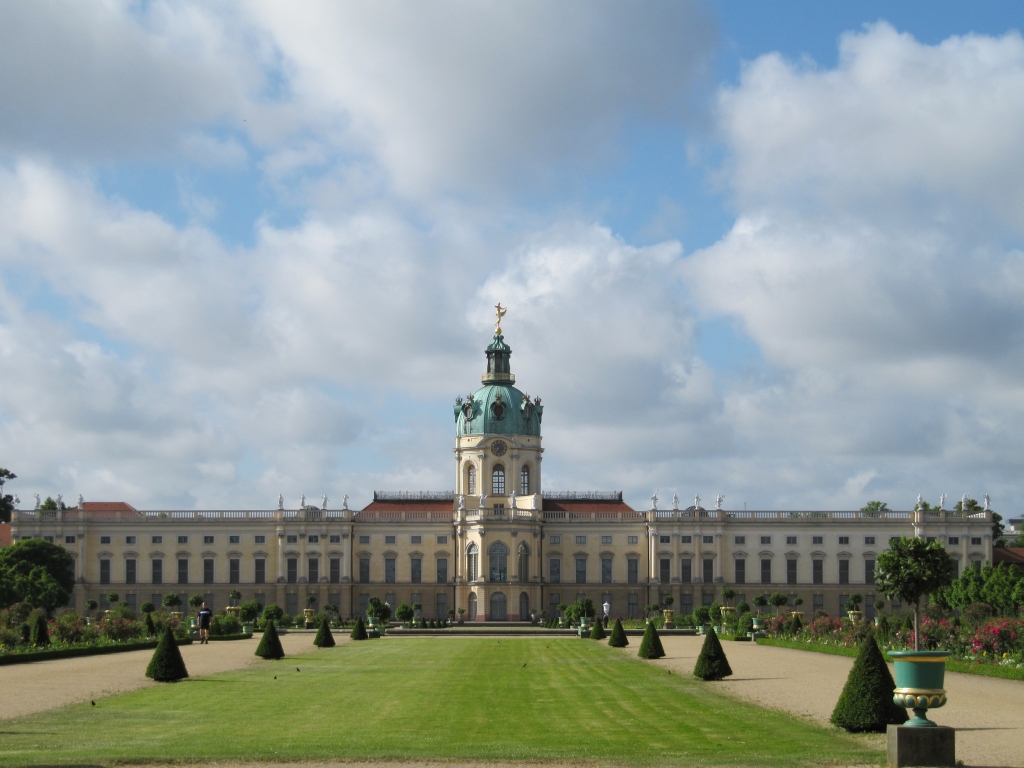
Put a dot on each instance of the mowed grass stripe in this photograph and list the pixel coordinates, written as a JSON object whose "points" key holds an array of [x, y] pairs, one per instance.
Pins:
{"points": [[433, 698]]}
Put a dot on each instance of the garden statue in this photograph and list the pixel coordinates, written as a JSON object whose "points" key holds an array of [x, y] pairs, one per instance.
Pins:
{"points": [[323, 501], [718, 502], [344, 502], [675, 501], [607, 609], [280, 501], [942, 501], [988, 503], [654, 500], [37, 500]]}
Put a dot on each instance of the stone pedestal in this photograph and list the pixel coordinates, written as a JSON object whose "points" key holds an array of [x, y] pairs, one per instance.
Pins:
{"points": [[921, 746]]}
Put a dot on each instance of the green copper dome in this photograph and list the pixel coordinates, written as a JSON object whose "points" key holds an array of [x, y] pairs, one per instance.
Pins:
{"points": [[498, 408]]}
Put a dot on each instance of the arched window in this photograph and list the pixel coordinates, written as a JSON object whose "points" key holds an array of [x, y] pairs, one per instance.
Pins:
{"points": [[524, 607], [498, 555], [524, 562], [498, 481], [524, 481], [498, 607], [472, 562], [471, 480]]}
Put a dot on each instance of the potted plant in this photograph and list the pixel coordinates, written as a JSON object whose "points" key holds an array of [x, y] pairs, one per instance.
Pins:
{"points": [[760, 601], [797, 602], [778, 601], [90, 605], [309, 612], [667, 612], [173, 602], [727, 595], [247, 614], [377, 614], [194, 603], [404, 613], [702, 615], [853, 607], [879, 607], [451, 616], [462, 612], [113, 598], [562, 608], [910, 569], [232, 609]]}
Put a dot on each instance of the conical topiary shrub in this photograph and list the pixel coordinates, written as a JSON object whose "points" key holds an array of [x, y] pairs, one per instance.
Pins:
{"points": [[712, 664], [618, 638], [650, 646], [866, 701], [40, 632], [167, 666], [598, 633], [270, 645], [359, 630], [795, 625], [150, 626], [324, 638]]}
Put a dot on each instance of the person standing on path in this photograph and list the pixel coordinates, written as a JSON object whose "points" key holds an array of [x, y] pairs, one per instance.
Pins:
{"points": [[205, 617]]}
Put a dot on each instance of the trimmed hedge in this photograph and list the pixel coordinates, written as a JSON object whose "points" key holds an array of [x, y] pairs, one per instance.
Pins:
{"points": [[866, 701], [650, 646], [71, 653], [618, 638], [359, 630], [270, 644], [712, 664], [167, 666], [324, 638], [597, 633]]}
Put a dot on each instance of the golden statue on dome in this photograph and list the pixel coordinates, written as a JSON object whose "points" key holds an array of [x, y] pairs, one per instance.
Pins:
{"points": [[501, 313]]}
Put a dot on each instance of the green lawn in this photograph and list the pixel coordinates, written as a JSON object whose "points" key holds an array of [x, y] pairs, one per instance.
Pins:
{"points": [[433, 698]]}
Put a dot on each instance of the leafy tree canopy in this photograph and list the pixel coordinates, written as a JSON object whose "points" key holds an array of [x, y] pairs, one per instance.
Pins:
{"points": [[36, 572], [6, 500], [875, 506], [912, 568]]}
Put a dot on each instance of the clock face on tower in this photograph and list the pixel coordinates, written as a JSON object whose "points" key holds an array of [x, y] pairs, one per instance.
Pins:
{"points": [[498, 447]]}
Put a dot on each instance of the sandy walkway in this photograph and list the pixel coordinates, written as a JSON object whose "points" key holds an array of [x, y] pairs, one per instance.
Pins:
{"points": [[987, 712], [67, 681]]}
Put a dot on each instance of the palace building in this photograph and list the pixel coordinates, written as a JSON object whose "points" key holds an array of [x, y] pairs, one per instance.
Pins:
{"points": [[499, 546]]}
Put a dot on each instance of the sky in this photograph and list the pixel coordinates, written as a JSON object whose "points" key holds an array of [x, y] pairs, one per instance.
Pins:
{"points": [[769, 251]]}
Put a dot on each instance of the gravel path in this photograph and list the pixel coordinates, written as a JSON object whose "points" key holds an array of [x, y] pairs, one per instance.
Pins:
{"points": [[61, 682]]}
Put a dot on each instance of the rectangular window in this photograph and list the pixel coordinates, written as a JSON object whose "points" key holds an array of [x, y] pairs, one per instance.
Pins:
{"points": [[665, 539], [261, 598], [844, 571], [606, 570], [335, 575], [417, 539], [554, 539], [291, 603], [364, 603], [208, 570], [581, 570], [417, 570], [292, 539], [69, 539], [555, 570], [554, 599], [364, 570], [183, 539], [709, 539], [261, 570], [766, 570], [686, 570], [261, 539], [632, 539], [766, 539], [869, 571], [158, 572], [739, 539], [334, 598], [581, 539], [606, 540], [293, 570], [869, 540], [313, 538], [633, 606], [791, 571], [633, 570], [683, 540], [817, 539], [129, 540], [207, 539], [389, 539], [791, 539], [953, 541], [364, 539], [707, 598], [442, 570], [818, 602], [104, 539], [234, 571], [313, 570], [104, 571], [158, 600], [234, 539], [843, 599], [818, 571], [442, 539], [685, 604], [389, 570], [129, 571], [442, 606], [709, 571], [183, 570], [208, 599], [741, 571], [869, 607], [845, 540], [665, 570], [975, 541], [156, 539], [130, 602], [335, 538]]}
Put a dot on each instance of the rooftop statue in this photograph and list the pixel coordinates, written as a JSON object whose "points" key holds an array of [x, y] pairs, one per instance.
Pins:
{"points": [[500, 311], [302, 501], [512, 499], [81, 502], [920, 502], [280, 501], [696, 502], [16, 501], [654, 500], [942, 501], [675, 501], [718, 502], [344, 502], [60, 501], [963, 503], [988, 503], [37, 500], [323, 501]]}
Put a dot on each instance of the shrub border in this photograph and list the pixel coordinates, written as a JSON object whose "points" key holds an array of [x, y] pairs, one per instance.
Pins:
{"points": [[964, 667], [70, 653]]}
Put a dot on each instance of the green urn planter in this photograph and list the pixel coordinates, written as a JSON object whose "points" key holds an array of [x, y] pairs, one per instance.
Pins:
{"points": [[854, 616], [920, 676], [758, 623]]}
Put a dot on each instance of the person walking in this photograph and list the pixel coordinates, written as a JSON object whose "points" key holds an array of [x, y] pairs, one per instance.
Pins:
{"points": [[205, 617]]}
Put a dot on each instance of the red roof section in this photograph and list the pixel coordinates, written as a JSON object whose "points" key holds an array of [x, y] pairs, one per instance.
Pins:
{"points": [[5, 535], [585, 505], [1014, 555], [410, 505], [107, 506]]}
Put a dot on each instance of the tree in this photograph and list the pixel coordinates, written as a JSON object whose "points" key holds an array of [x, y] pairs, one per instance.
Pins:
{"points": [[378, 609], [597, 633], [249, 610], [998, 589], [650, 646], [50, 505], [40, 632], [113, 598], [6, 500], [324, 638], [618, 638], [760, 601], [273, 613], [167, 666], [875, 506], [147, 607], [404, 612], [711, 663], [235, 596], [866, 701], [37, 572], [853, 602], [359, 630], [91, 605], [270, 645], [728, 594], [910, 569], [195, 601], [172, 601], [778, 600]]}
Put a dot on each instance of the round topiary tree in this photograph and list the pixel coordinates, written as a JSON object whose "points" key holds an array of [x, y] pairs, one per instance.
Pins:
{"points": [[712, 664], [778, 601], [742, 607], [270, 645], [728, 594], [650, 646], [702, 615], [598, 633], [167, 666], [194, 602], [172, 601], [910, 569], [618, 638], [866, 701], [760, 601], [150, 625], [147, 607], [40, 632], [359, 630], [91, 605], [324, 638]]}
